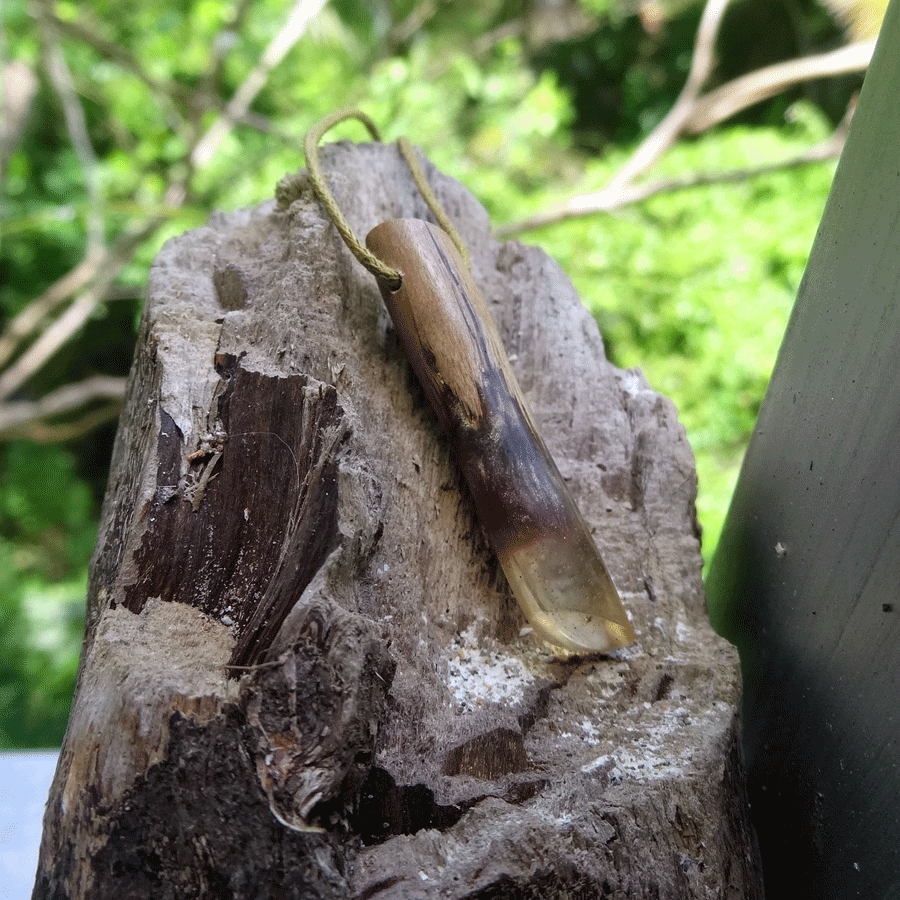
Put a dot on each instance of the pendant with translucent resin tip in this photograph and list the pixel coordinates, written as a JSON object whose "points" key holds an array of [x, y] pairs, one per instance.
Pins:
{"points": [[541, 539]]}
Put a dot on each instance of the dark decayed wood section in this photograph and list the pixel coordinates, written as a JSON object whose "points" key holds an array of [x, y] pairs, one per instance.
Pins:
{"points": [[304, 675], [258, 515]]}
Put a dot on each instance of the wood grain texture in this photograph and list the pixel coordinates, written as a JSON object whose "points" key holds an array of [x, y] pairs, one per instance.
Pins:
{"points": [[218, 524], [529, 516]]}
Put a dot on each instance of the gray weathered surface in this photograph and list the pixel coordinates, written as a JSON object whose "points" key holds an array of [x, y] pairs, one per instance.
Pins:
{"points": [[398, 707]]}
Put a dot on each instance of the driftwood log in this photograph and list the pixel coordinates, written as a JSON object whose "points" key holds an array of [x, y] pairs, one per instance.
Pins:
{"points": [[304, 674]]}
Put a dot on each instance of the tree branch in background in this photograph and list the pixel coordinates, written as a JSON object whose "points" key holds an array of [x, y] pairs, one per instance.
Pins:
{"points": [[291, 32], [55, 335], [25, 418], [757, 86], [672, 126], [76, 125], [482, 45], [162, 89], [223, 42], [609, 200], [32, 317], [42, 433], [105, 264], [403, 30], [16, 99], [694, 113]]}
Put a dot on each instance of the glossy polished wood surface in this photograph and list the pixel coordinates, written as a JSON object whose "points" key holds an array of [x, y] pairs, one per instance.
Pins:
{"points": [[541, 539]]}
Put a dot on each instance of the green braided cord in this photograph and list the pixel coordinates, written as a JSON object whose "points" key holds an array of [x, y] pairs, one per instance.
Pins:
{"points": [[409, 154], [326, 198], [320, 188]]}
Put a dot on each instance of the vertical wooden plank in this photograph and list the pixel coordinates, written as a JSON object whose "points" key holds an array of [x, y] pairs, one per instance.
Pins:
{"points": [[808, 567]]}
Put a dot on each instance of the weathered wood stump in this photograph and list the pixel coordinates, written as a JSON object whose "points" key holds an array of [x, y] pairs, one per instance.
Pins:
{"points": [[304, 675]]}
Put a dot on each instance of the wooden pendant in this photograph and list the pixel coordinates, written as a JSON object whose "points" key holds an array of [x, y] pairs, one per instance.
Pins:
{"points": [[541, 539]]}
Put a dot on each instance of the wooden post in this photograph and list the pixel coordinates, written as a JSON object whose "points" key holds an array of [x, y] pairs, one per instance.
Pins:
{"points": [[808, 567], [304, 673]]}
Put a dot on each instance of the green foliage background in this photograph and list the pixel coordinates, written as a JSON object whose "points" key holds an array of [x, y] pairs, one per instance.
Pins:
{"points": [[694, 287]]}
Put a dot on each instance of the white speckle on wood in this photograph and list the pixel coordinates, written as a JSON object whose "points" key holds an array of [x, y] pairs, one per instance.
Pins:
{"points": [[478, 674]]}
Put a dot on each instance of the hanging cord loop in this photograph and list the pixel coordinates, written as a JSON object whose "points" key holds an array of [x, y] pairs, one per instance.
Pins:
{"points": [[372, 263], [409, 154]]}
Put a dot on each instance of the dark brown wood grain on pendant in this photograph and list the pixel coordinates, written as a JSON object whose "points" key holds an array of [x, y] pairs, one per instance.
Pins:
{"points": [[541, 539]]}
